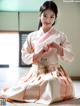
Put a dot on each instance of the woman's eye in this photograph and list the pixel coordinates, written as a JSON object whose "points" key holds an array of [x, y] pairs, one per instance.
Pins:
{"points": [[52, 16], [45, 15]]}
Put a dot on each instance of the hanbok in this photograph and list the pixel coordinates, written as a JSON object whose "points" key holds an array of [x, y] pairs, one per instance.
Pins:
{"points": [[47, 81]]}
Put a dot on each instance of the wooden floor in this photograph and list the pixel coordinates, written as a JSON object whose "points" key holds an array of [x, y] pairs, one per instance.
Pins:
{"points": [[7, 79], [72, 102]]}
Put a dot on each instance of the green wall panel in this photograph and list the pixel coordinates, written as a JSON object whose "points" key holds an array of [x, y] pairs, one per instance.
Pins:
{"points": [[20, 5]]}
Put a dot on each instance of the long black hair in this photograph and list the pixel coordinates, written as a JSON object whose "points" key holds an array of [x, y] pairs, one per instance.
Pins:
{"points": [[48, 5]]}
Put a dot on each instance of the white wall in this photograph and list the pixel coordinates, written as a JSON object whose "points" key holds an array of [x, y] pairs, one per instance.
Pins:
{"points": [[69, 22]]}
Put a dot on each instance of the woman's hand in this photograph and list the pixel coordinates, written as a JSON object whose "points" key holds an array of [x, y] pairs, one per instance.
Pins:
{"points": [[58, 47], [53, 45], [46, 50], [37, 57]]}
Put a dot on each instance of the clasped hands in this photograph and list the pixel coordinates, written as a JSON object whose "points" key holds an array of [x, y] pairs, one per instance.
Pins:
{"points": [[46, 49]]}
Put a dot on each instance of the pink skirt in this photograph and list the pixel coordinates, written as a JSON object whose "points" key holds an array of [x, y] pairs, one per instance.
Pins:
{"points": [[44, 85]]}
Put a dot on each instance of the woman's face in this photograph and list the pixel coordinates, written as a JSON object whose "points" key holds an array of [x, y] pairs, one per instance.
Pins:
{"points": [[47, 19]]}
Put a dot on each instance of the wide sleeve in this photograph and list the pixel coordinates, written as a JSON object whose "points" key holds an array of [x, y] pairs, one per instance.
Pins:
{"points": [[67, 49], [27, 57]]}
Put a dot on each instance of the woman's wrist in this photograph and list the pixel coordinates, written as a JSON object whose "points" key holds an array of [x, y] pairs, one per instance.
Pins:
{"points": [[36, 58], [60, 50]]}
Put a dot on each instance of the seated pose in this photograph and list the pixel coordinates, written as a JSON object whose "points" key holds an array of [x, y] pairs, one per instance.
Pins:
{"points": [[46, 81]]}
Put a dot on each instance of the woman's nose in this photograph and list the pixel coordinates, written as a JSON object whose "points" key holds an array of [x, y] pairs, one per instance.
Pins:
{"points": [[48, 20]]}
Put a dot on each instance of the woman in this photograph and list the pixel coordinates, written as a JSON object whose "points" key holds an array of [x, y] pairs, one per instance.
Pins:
{"points": [[47, 81]]}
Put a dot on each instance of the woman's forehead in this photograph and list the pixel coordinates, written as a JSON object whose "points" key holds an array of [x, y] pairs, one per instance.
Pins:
{"points": [[48, 11]]}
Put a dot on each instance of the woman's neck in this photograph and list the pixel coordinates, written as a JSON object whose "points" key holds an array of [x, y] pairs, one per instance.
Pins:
{"points": [[46, 29]]}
